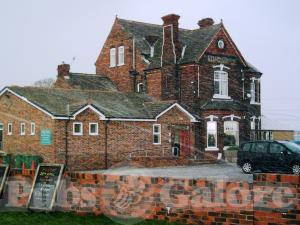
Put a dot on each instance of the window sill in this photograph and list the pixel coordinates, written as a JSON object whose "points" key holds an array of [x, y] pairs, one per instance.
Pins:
{"points": [[156, 143], [211, 149], [93, 134], [77, 134], [121, 64], [112, 66], [221, 97], [255, 103]]}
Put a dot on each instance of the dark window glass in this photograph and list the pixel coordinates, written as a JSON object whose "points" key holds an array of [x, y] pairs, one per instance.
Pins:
{"points": [[246, 147], [276, 148], [260, 147]]}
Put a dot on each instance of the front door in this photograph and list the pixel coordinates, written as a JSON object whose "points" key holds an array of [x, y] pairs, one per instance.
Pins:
{"points": [[1, 136], [185, 142]]}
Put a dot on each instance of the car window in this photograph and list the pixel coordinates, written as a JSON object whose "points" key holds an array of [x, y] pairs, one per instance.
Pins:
{"points": [[260, 147], [292, 146], [246, 147], [276, 148]]}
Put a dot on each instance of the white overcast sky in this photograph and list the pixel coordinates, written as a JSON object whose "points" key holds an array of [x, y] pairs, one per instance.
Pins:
{"points": [[37, 35]]}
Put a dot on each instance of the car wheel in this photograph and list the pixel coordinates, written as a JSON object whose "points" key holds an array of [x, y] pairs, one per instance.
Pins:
{"points": [[247, 167], [296, 168]]}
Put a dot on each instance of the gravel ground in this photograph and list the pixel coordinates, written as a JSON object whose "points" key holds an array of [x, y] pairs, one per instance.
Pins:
{"points": [[228, 172]]}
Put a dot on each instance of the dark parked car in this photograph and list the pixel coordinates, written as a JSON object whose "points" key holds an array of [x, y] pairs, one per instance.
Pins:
{"points": [[269, 156]]}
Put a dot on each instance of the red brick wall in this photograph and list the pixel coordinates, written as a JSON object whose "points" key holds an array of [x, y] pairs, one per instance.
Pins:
{"points": [[197, 201], [16, 111], [119, 74], [154, 83]]}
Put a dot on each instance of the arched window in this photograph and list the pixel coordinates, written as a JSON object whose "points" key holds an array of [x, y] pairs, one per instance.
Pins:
{"points": [[112, 57], [121, 56], [140, 88]]}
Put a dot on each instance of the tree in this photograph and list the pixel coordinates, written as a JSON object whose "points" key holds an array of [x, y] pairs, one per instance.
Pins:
{"points": [[47, 83]]}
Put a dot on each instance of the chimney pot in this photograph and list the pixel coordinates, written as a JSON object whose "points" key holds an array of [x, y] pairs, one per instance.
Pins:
{"points": [[170, 19], [63, 70], [206, 22]]}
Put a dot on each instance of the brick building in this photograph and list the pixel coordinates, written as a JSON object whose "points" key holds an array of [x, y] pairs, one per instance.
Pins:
{"points": [[161, 95]]}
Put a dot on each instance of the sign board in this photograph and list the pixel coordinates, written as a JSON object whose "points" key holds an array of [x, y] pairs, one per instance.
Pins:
{"points": [[45, 185], [46, 137], [221, 59], [3, 176]]}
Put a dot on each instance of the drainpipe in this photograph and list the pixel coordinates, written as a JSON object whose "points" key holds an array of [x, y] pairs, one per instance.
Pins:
{"points": [[66, 136], [106, 143], [66, 142]]}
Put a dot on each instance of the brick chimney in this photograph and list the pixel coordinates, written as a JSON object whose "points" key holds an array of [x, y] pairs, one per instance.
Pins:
{"points": [[206, 22], [171, 46], [63, 70]]}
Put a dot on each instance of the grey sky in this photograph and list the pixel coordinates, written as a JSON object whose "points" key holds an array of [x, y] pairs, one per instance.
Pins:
{"points": [[38, 35]]}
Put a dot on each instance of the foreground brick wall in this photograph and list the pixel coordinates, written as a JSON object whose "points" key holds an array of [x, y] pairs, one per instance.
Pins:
{"points": [[198, 201]]}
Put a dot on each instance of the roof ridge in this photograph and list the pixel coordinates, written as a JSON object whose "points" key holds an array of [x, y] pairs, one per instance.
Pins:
{"points": [[88, 74], [150, 24], [66, 89]]}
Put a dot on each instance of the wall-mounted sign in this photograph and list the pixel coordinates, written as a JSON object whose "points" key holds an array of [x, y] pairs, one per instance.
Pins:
{"points": [[221, 59], [46, 137], [3, 176], [45, 185]]}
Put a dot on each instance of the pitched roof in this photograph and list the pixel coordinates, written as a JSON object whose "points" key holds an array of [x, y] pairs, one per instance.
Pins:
{"points": [[196, 41], [112, 104], [90, 82]]}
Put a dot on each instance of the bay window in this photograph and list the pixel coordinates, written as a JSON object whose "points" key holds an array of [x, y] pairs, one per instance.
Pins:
{"points": [[231, 131]]}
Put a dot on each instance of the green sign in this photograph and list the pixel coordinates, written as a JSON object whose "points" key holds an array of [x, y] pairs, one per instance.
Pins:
{"points": [[46, 137]]}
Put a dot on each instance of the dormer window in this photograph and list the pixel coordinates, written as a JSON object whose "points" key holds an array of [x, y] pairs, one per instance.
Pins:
{"points": [[121, 56], [112, 57], [221, 82], [151, 51]]}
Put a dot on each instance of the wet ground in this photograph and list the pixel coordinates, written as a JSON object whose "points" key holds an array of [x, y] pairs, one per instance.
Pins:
{"points": [[229, 172]]}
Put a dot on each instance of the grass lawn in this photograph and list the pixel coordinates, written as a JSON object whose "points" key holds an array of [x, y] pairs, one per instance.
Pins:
{"points": [[57, 218]]}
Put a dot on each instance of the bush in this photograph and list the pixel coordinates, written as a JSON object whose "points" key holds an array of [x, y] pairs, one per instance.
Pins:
{"points": [[229, 140], [233, 148]]}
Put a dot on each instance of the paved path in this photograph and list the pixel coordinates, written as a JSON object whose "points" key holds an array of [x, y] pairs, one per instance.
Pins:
{"points": [[229, 172]]}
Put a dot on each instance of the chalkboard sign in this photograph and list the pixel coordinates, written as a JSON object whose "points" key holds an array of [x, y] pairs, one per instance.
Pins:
{"points": [[45, 185], [3, 176]]}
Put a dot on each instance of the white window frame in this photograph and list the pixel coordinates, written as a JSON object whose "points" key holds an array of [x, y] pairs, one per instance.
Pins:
{"points": [[253, 90], [22, 131], [158, 133], [236, 131], [32, 129], [212, 148], [139, 87], [90, 130], [9, 129], [121, 55], [112, 57], [221, 77], [81, 129]]}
